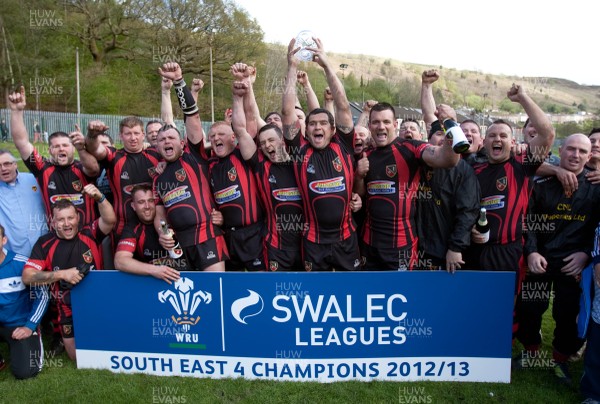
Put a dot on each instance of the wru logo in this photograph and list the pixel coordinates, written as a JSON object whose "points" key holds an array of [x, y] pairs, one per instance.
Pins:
{"points": [[181, 302]]}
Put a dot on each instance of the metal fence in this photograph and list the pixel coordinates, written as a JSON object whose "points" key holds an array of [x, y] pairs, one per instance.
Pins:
{"points": [[50, 122]]}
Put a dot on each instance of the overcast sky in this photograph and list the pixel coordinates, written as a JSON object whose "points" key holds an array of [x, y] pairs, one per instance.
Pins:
{"points": [[512, 37]]}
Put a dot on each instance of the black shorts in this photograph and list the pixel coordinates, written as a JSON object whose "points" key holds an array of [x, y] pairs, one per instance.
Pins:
{"points": [[283, 260], [340, 256], [200, 256], [389, 259], [503, 257], [245, 246]]}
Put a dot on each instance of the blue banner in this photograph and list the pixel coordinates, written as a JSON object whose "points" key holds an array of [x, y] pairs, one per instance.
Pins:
{"points": [[299, 326]]}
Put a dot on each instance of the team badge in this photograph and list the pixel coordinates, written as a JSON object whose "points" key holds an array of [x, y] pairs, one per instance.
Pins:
{"points": [[180, 175], [273, 266], [337, 164], [501, 184], [67, 329], [88, 257], [76, 185], [307, 266], [232, 174], [152, 172], [391, 171], [34, 188], [429, 175]]}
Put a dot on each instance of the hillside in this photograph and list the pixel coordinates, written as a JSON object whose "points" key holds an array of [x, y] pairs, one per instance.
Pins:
{"points": [[475, 89]]}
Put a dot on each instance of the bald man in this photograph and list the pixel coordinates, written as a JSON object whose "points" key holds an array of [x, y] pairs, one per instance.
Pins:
{"points": [[560, 229]]}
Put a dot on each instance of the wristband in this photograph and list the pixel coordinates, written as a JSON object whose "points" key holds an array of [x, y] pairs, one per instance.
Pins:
{"points": [[102, 199], [185, 98]]}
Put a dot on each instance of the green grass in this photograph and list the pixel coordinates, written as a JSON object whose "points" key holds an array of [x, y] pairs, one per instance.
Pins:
{"points": [[60, 381]]}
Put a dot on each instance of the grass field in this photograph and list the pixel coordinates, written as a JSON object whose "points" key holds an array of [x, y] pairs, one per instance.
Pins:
{"points": [[60, 381]]}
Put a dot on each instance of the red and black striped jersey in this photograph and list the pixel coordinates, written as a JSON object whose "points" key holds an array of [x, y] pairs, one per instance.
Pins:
{"points": [[505, 191], [183, 189], [125, 170], [62, 182], [235, 191], [325, 178], [142, 241], [282, 201], [392, 183], [51, 253]]}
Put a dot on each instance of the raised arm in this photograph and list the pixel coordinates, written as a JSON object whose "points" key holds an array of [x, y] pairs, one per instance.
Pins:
{"points": [[91, 168], [328, 101], [166, 107], [363, 119], [343, 114], [247, 74], [427, 101], [312, 101], [108, 219], [540, 145], [193, 125], [442, 156], [291, 124], [16, 103], [245, 141], [92, 144]]}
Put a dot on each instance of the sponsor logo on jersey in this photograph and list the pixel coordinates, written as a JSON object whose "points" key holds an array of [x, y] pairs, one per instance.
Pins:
{"points": [[88, 257], [77, 199], [310, 169], [127, 243], [232, 174], [51, 185], [329, 186], [391, 170], [337, 164], [147, 252], [501, 184], [128, 188], [77, 185], [272, 179], [180, 175], [381, 187], [124, 175], [287, 194], [176, 195], [493, 202], [226, 195]]}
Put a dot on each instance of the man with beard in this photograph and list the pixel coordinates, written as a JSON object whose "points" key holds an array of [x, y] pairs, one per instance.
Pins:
{"points": [[61, 176], [67, 253], [139, 251]]}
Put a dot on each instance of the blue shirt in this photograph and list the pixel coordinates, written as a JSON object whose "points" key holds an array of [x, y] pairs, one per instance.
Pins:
{"points": [[22, 213], [20, 306]]}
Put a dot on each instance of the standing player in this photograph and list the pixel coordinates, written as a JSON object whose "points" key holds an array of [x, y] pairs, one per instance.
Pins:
{"points": [[324, 172], [505, 184], [183, 187], [63, 254], [390, 181], [126, 167], [277, 185], [61, 176]]}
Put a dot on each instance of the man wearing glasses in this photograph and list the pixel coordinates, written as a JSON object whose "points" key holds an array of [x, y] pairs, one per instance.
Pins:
{"points": [[21, 206]]}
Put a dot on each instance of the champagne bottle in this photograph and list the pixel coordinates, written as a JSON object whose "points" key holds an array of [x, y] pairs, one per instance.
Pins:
{"points": [[453, 131], [175, 252], [482, 226]]}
